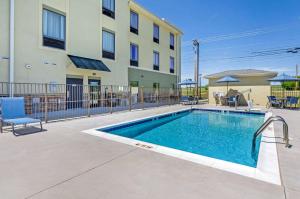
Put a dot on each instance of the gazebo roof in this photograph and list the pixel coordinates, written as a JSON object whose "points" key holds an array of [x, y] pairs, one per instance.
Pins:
{"points": [[242, 73]]}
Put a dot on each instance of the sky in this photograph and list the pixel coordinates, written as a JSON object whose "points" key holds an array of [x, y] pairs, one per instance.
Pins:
{"points": [[230, 31]]}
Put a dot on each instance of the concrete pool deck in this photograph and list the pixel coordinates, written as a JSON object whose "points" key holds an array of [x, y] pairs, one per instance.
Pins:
{"points": [[63, 162]]}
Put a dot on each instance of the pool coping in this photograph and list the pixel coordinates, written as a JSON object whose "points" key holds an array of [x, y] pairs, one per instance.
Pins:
{"points": [[267, 166]]}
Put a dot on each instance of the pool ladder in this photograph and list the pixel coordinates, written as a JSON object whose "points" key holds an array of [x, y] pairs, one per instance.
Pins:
{"points": [[266, 124]]}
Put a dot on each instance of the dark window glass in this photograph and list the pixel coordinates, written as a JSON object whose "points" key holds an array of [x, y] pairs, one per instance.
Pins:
{"points": [[108, 8], [134, 55], [108, 45], [54, 29], [172, 65], [172, 41], [134, 22], [155, 33], [155, 60]]}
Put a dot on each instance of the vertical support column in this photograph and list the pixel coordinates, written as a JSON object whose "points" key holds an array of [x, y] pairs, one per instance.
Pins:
{"points": [[196, 48], [111, 99], [142, 97], [89, 100], [158, 95], [169, 97], [11, 48], [129, 98], [46, 103]]}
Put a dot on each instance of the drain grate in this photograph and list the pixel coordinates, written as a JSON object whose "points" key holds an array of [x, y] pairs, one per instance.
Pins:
{"points": [[143, 146]]}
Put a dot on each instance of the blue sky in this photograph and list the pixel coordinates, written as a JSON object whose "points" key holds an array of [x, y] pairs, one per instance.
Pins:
{"points": [[234, 28]]}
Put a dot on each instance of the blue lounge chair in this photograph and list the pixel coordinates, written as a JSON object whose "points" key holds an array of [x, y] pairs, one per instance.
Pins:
{"points": [[273, 102], [292, 101], [188, 100], [13, 113], [184, 99]]}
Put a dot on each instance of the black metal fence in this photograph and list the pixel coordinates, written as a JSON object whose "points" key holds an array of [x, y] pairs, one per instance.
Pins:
{"points": [[61, 101], [280, 92]]}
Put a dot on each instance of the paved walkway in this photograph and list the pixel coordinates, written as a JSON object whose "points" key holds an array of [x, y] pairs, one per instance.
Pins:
{"points": [[63, 162]]}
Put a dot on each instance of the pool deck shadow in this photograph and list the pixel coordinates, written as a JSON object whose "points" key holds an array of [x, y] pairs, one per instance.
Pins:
{"points": [[66, 163]]}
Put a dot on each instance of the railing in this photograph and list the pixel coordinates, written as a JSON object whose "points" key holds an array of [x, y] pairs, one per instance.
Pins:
{"points": [[266, 124], [280, 92], [192, 92], [59, 101]]}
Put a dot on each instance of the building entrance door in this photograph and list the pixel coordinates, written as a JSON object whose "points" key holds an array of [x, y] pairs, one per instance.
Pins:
{"points": [[74, 93]]}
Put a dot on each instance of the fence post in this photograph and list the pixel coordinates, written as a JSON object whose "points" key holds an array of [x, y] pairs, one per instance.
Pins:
{"points": [[46, 102], [89, 100], [111, 99], [142, 97], [129, 98], [169, 97], [156, 96]]}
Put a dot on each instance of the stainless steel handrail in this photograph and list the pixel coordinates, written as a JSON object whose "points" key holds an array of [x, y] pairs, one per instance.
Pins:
{"points": [[266, 124]]}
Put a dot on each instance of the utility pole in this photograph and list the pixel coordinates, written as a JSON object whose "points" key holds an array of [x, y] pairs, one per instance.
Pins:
{"points": [[200, 85], [196, 45], [297, 73]]}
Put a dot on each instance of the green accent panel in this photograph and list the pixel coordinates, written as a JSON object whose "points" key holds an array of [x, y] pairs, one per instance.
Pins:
{"points": [[148, 78]]}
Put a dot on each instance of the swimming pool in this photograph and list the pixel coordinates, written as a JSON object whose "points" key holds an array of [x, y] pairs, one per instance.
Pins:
{"points": [[222, 135], [219, 139]]}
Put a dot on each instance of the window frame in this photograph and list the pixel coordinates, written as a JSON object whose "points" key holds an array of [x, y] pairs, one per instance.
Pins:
{"points": [[132, 61], [156, 66], [105, 53], [134, 30], [134, 83], [156, 39], [52, 42], [156, 86], [108, 12], [172, 70], [172, 46]]}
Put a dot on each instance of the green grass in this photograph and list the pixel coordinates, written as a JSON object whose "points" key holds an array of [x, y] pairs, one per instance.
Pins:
{"points": [[192, 92]]}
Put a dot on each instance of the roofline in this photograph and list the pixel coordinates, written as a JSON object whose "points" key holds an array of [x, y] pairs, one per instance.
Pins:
{"points": [[153, 16], [257, 74]]}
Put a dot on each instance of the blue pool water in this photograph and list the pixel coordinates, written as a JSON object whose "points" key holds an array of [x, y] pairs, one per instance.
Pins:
{"points": [[225, 136]]}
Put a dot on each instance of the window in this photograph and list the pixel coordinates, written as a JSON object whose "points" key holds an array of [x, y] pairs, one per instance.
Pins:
{"points": [[54, 29], [156, 33], [156, 86], [108, 45], [108, 8], [172, 41], [134, 55], [134, 84], [155, 60], [172, 64], [134, 22]]}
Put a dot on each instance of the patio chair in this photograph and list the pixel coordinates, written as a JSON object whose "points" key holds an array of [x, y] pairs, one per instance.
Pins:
{"points": [[217, 98], [188, 100], [13, 113], [292, 101], [273, 102], [184, 99], [233, 100]]}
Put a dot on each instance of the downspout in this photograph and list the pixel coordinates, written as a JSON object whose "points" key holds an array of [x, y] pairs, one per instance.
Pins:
{"points": [[11, 47], [178, 55]]}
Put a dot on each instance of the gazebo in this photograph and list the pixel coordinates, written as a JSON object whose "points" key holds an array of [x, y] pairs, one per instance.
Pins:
{"points": [[188, 83]]}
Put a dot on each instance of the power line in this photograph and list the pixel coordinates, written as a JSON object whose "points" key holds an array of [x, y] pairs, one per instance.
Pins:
{"points": [[248, 56], [245, 34]]}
